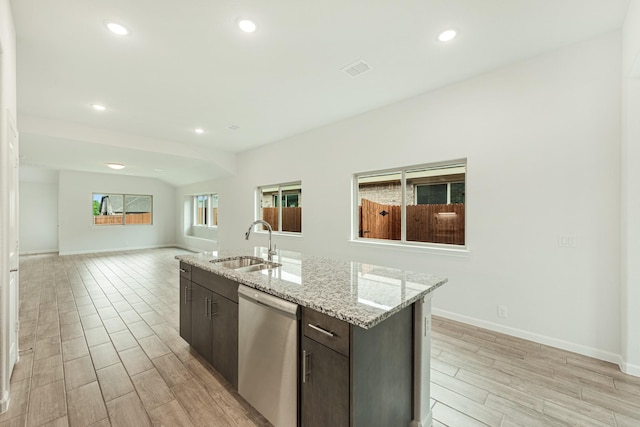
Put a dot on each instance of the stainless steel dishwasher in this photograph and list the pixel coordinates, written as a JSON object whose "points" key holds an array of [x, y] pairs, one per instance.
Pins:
{"points": [[268, 355]]}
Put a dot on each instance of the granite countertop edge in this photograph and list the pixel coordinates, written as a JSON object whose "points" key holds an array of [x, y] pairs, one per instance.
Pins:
{"points": [[252, 279]]}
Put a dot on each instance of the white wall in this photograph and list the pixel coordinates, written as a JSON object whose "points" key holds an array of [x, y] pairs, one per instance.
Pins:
{"points": [[542, 139], [77, 234], [189, 237], [630, 302], [38, 210], [7, 106]]}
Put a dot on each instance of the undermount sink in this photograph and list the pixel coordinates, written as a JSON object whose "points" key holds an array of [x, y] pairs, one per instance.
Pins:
{"points": [[246, 264]]}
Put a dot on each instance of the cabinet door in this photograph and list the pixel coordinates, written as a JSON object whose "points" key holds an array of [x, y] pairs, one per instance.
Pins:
{"points": [[325, 386], [185, 309], [224, 349], [200, 320]]}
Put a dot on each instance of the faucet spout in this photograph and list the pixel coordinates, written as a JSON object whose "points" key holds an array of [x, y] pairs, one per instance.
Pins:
{"points": [[271, 252]]}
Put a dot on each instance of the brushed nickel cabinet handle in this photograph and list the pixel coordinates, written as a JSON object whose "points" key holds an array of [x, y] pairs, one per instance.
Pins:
{"points": [[206, 308], [324, 331], [212, 304], [182, 270], [305, 368]]}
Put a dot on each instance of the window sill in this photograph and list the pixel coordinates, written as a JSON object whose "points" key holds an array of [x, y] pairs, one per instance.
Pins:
{"points": [[118, 225], [212, 227], [191, 236], [280, 234], [461, 252]]}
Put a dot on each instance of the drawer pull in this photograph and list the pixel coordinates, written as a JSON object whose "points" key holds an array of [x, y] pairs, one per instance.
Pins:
{"points": [[324, 331], [182, 270]]}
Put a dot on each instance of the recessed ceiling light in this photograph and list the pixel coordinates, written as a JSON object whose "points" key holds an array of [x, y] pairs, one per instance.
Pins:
{"points": [[116, 166], [198, 130], [117, 29], [233, 127], [158, 170], [247, 25], [98, 107], [447, 35]]}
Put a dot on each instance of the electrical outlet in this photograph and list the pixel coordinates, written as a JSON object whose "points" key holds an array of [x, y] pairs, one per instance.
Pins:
{"points": [[503, 311], [567, 241]]}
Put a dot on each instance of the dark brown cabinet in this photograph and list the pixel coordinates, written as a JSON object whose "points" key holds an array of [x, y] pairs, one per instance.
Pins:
{"points": [[185, 301], [201, 324], [352, 377], [224, 345], [212, 302], [325, 386]]}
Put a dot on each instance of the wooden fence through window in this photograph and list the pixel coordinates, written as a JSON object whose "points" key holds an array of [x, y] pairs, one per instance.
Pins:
{"points": [[201, 215], [291, 219], [115, 219], [443, 223]]}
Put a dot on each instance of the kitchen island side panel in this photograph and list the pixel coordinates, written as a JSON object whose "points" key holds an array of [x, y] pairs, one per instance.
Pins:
{"points": [[382, 372]]}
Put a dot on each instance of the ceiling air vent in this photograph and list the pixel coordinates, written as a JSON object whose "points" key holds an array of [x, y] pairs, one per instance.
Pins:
{"points": [[357, 68]]}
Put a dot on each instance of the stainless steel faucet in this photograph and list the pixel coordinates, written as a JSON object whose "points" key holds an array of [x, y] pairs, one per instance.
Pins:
{"points": [[271, 252]]}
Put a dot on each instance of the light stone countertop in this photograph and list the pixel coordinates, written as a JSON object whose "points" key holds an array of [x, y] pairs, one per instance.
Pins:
{"points": [[358, 293]]}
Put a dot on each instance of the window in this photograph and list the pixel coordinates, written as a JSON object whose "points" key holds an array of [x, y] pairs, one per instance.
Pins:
{"points": [[421, 204], [122, 209], [286, 216], [288, 200], [205, 210], [434, 194]]}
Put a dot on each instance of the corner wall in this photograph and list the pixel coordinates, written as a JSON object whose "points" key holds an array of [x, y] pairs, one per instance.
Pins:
{"points": [[542, 139], [7, 106], [186, 237], [77, 234], [630, 184], [38, 211]]}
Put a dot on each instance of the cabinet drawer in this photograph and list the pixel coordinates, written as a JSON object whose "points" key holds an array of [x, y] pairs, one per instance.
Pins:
{"points": [[185, 271], [326, 330], [218, 284]]}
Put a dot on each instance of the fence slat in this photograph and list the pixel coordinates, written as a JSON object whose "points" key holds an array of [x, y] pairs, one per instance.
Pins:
{"points": [[443, 223], [141, 218], [291, 219]]}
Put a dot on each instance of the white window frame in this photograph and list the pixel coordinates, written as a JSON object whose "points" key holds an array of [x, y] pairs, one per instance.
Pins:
{"points": [[209, 208], [258, 207], [124, 209], [403, 243]]}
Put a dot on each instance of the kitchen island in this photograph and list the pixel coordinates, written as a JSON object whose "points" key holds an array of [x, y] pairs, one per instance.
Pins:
{"points": [[370, 324]]}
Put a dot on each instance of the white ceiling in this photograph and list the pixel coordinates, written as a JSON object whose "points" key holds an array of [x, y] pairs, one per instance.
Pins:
{"points": [[185, 64]]}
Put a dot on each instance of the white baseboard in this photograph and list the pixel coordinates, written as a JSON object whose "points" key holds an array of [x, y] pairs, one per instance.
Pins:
{"points": [[200, 244], [4, 401], [187, 248], [40, 252], [541, 339], [629, 368], [128, 248]]}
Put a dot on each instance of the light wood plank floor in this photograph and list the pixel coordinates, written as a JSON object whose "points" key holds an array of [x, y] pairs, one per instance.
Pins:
{"points": [[100, 346]]}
